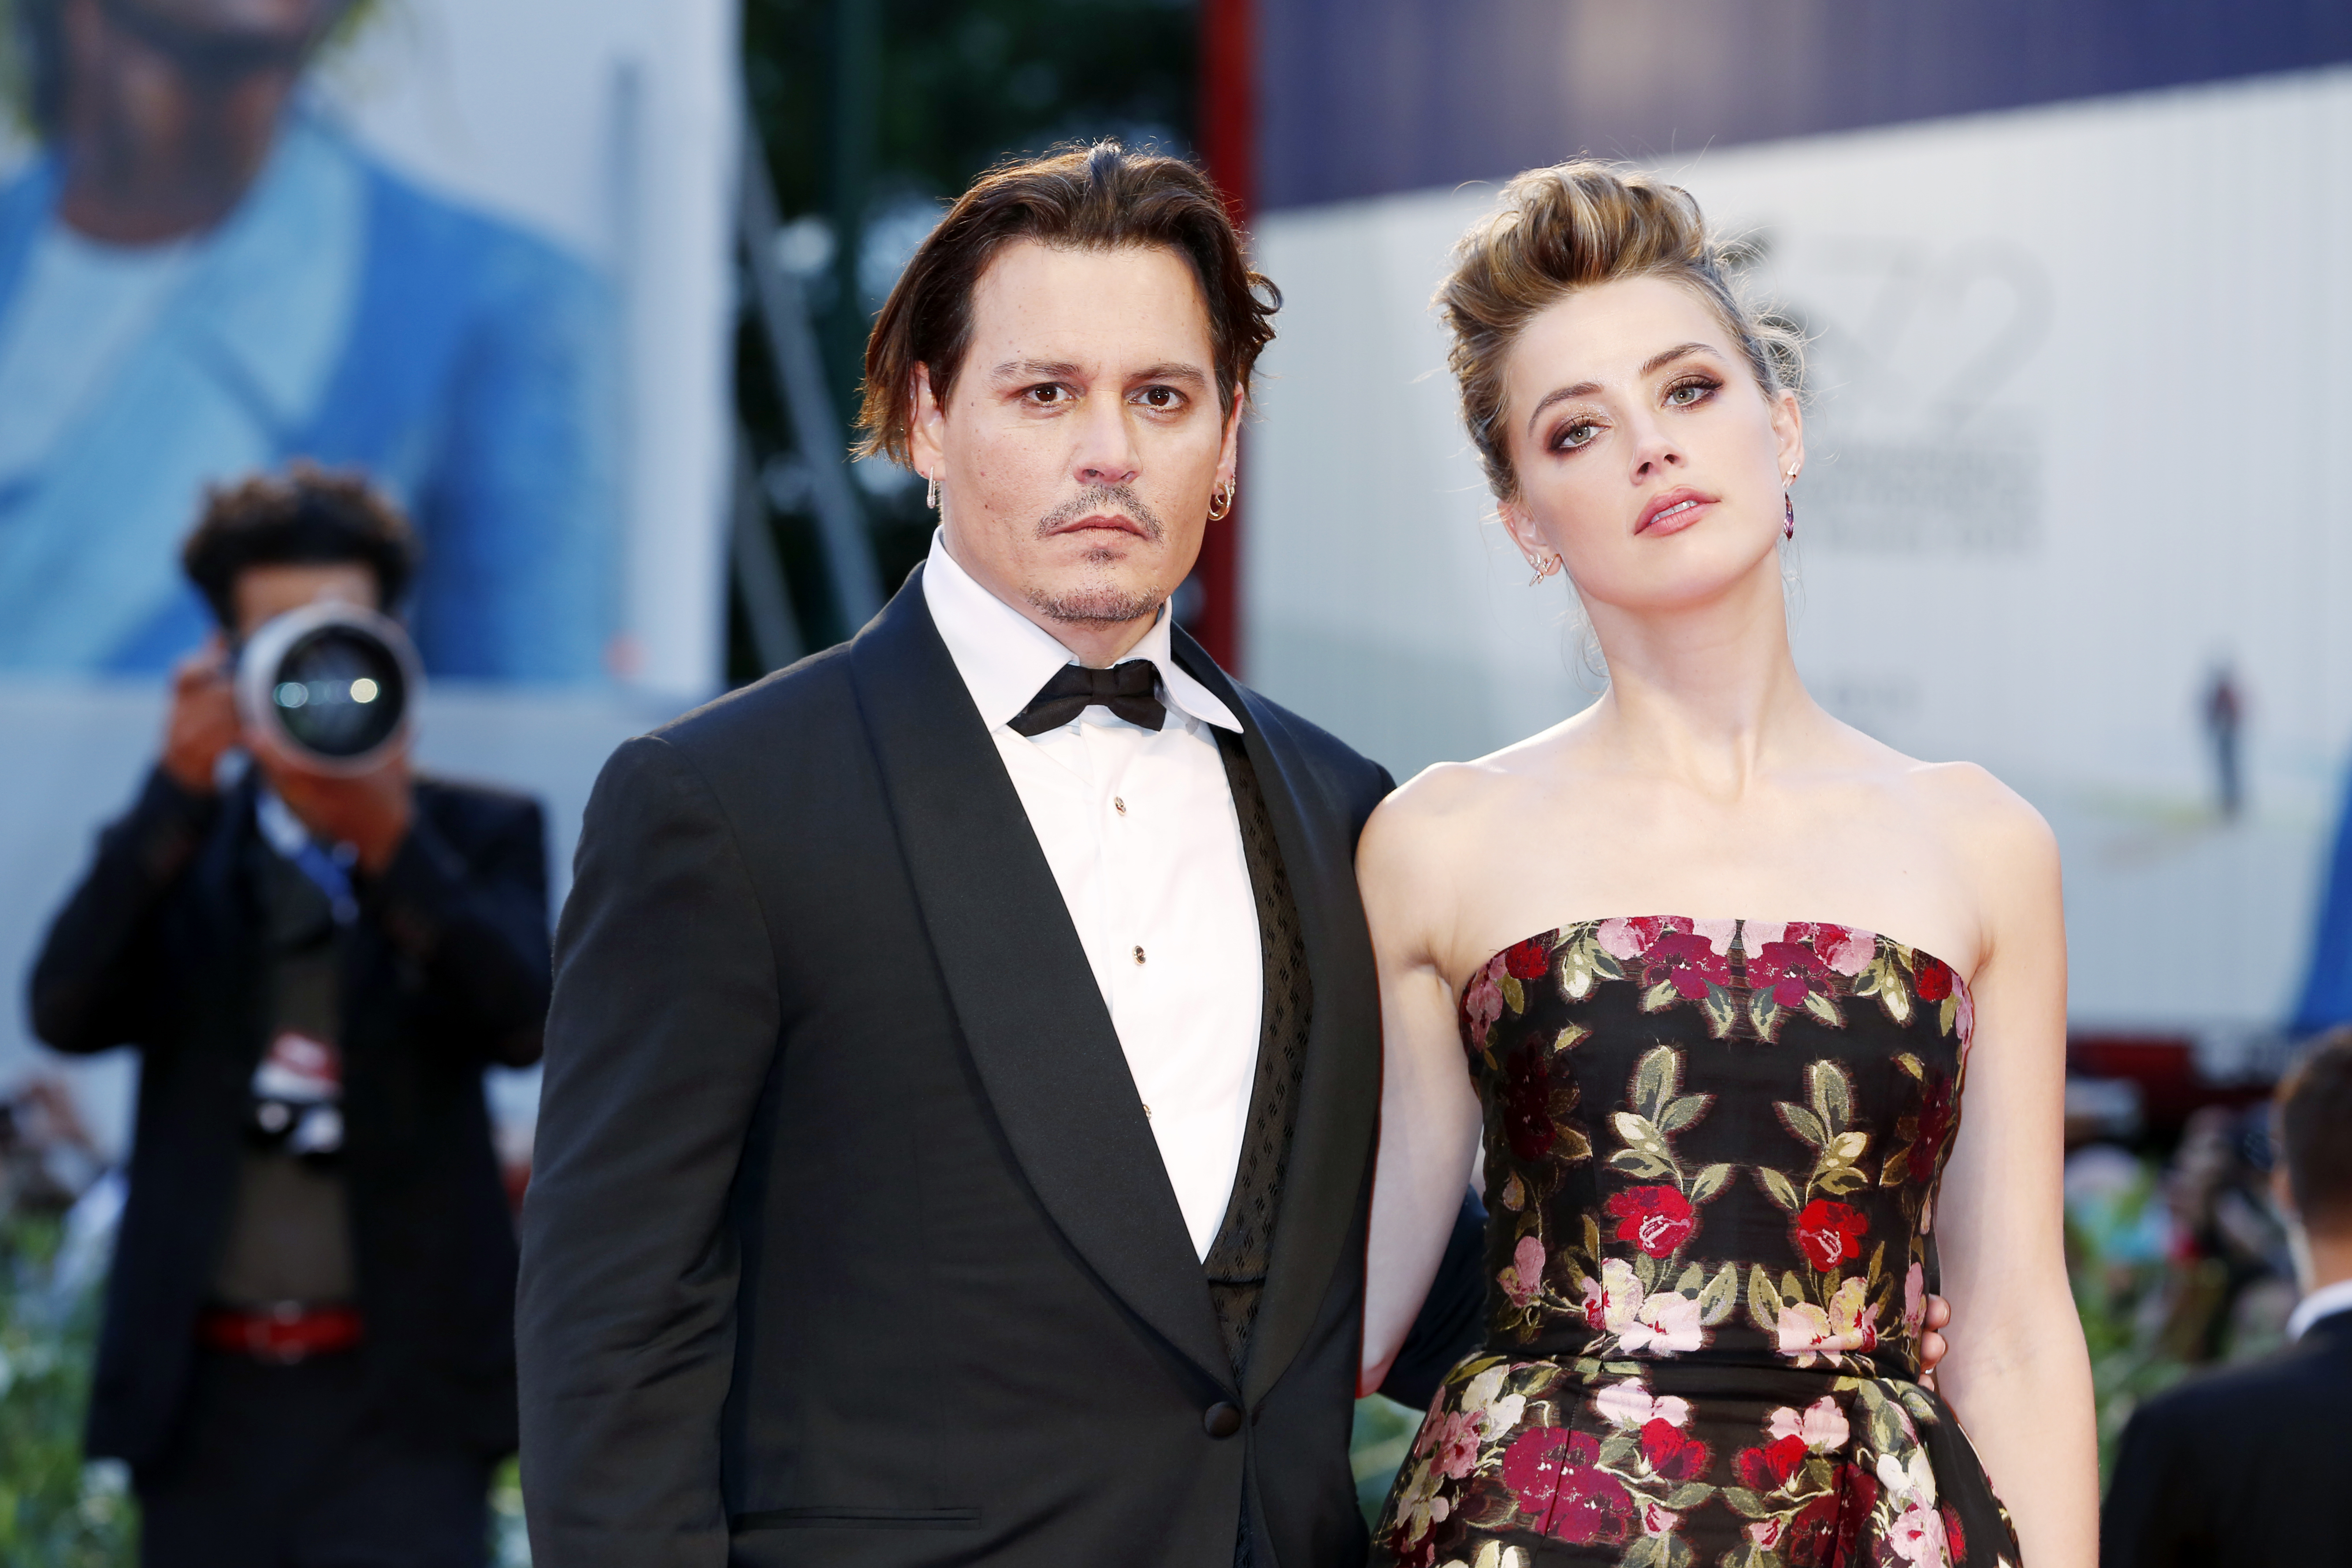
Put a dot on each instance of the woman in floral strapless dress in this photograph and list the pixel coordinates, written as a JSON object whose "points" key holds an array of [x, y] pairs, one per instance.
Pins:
{"points": [[1722, 1159]]}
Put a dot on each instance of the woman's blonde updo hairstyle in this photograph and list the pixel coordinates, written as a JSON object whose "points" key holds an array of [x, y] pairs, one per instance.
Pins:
{"points": [[1568, 228]]}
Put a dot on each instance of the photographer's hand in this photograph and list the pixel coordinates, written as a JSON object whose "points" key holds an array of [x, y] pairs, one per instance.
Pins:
{"points": [[203, 723], [370, 812]]}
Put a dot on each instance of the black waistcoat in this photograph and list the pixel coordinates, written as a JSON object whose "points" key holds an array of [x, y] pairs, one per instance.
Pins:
{"points": [[1237, 1260]]}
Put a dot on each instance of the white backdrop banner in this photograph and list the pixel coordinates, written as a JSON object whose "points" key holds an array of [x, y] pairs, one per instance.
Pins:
{"points": [[2073, 461]]}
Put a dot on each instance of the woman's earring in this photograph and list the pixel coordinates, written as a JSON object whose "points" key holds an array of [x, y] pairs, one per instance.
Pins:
{"points": [[1788, 510], [931, 494], [1543, 570], [1222, 502]]}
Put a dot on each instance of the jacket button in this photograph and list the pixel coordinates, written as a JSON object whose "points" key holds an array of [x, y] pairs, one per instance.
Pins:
{"points": [[1221, 1420]]}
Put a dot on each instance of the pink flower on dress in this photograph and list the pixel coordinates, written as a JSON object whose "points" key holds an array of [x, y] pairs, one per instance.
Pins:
{"points": [[1656, 1521], [1666, 1323], [1915, 1301], [1458, 1445], [1628, 940], [1917, 1537], [1628, 1406], [1482, 1003], [1820, 1425], [1765, 1532], [1524, 1277], [1806, 1331], [1843, 948]]}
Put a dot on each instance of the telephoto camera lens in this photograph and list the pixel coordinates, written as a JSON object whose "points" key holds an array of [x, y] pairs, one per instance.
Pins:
{"points": [[332, 683]]}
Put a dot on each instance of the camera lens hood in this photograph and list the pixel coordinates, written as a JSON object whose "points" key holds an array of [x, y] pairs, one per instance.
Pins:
{"points": [[331, 684]]}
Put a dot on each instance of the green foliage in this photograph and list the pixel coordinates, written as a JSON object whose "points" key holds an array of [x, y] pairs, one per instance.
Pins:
{"points": [[55, 1510], [1383, 1438]]}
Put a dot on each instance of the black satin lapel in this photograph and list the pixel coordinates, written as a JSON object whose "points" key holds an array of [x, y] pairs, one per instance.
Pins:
{"points": [[1340, 1090], [1022, 990]]}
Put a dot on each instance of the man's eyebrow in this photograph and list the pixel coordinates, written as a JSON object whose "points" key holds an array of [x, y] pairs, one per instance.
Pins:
{"points": [[1175, 370], [1649, 366], [1035, 370]]}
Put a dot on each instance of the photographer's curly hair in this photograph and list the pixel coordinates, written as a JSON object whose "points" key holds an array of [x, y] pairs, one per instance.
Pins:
{"points": [[1568, 228], [308, 516]]}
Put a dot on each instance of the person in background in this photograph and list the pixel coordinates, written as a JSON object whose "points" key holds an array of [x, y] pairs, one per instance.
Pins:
{"points": [[308, 1343], [202, 274], [2247, 1465]]}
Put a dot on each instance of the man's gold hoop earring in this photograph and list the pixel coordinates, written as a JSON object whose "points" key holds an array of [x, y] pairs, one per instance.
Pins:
{"points": [[931, 494], [1222, 502]]}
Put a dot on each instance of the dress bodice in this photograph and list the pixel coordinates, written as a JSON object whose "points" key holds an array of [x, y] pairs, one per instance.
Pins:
{"points": [[1712, 1154], [1713, 1140]]}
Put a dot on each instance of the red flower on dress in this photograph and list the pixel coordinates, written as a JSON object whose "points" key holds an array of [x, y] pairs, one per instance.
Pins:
{"points": [[1788, 971], [1812, 1534], [1953, 1538], [1939, 1108], [1932, 979], [1527, 1104], [1658, 1220], [1554, 1474], [1768, 1468], [1854, 1515], [1529, 960], [1827, 1232], [1673, 1452], [1689, 961]]}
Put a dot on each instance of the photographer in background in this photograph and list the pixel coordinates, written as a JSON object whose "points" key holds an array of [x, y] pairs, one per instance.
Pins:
{"points": [[2247, 1465], [307, 1348]]}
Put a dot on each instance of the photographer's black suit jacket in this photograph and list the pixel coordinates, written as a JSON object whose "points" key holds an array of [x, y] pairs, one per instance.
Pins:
{"points": [[849, 1243], [444, 969]]}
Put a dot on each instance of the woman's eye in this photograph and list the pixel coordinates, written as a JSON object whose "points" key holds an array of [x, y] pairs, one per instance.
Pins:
{"points": [[1688, 392], [1573, 435]]}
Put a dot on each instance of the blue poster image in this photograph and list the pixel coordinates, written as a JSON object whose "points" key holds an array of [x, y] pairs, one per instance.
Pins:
{"points": [[203, 275]]}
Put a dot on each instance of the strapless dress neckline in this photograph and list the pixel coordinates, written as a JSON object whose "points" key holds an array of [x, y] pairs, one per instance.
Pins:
{"points": [[1712, 1150]]}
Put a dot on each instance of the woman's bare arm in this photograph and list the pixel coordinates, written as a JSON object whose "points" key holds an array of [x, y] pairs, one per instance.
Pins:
{"points": [[1429, 1112], [2017, 1372]]}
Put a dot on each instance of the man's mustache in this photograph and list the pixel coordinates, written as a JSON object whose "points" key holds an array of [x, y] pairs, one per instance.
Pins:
{"points": [[1095, 499]]}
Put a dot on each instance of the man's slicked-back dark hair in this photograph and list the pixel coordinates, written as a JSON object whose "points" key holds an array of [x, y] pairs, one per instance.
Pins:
{"points": [[1101, 197], [308, 516], [2314, 1126]]}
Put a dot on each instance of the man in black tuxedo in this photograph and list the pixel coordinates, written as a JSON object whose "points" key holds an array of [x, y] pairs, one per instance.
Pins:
{"points": [[964, 1058], [2249, 1467], [306, 1355]]}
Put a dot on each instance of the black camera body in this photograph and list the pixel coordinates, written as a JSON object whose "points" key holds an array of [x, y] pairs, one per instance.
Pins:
{"points": [[332, 684]]}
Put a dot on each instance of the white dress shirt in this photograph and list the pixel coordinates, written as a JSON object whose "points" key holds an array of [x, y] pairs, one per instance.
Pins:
{"points": [[1140, 828], [2323, 1302]]}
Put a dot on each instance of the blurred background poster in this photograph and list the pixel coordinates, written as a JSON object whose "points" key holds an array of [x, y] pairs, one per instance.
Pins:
{"points": [[2068, 507], [478, 249]]}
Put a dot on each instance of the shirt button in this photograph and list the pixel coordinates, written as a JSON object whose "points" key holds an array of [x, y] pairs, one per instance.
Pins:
{"points": [[1138, 955], [1119, 804], [1221, 1420]]}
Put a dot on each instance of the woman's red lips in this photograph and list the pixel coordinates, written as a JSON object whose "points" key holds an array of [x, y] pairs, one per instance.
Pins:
{"points": [[1674, 511]]}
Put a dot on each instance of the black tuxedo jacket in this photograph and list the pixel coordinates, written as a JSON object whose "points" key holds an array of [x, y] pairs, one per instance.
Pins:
{"points": [[848, 1242], [2250, 1467], [444, 970]]}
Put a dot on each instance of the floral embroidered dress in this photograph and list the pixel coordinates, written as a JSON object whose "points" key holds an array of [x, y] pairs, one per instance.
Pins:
{"points": [[1712, 1154]]}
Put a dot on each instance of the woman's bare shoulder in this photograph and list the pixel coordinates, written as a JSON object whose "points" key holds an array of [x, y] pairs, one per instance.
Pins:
{"points": [[1980, 814]]}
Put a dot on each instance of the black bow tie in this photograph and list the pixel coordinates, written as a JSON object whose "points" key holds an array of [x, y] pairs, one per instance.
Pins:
{"points": [[1124, 689]]}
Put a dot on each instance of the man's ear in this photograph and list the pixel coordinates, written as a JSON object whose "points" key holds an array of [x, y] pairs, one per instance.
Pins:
{"points": [[924, 418], [2282, 1193]]}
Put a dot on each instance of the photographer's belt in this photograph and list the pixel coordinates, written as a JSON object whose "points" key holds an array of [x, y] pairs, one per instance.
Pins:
{"points": [[285, 1332]]}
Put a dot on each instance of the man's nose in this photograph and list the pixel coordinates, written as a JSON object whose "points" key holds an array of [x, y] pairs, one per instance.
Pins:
{"points": [[1105, 451]]}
